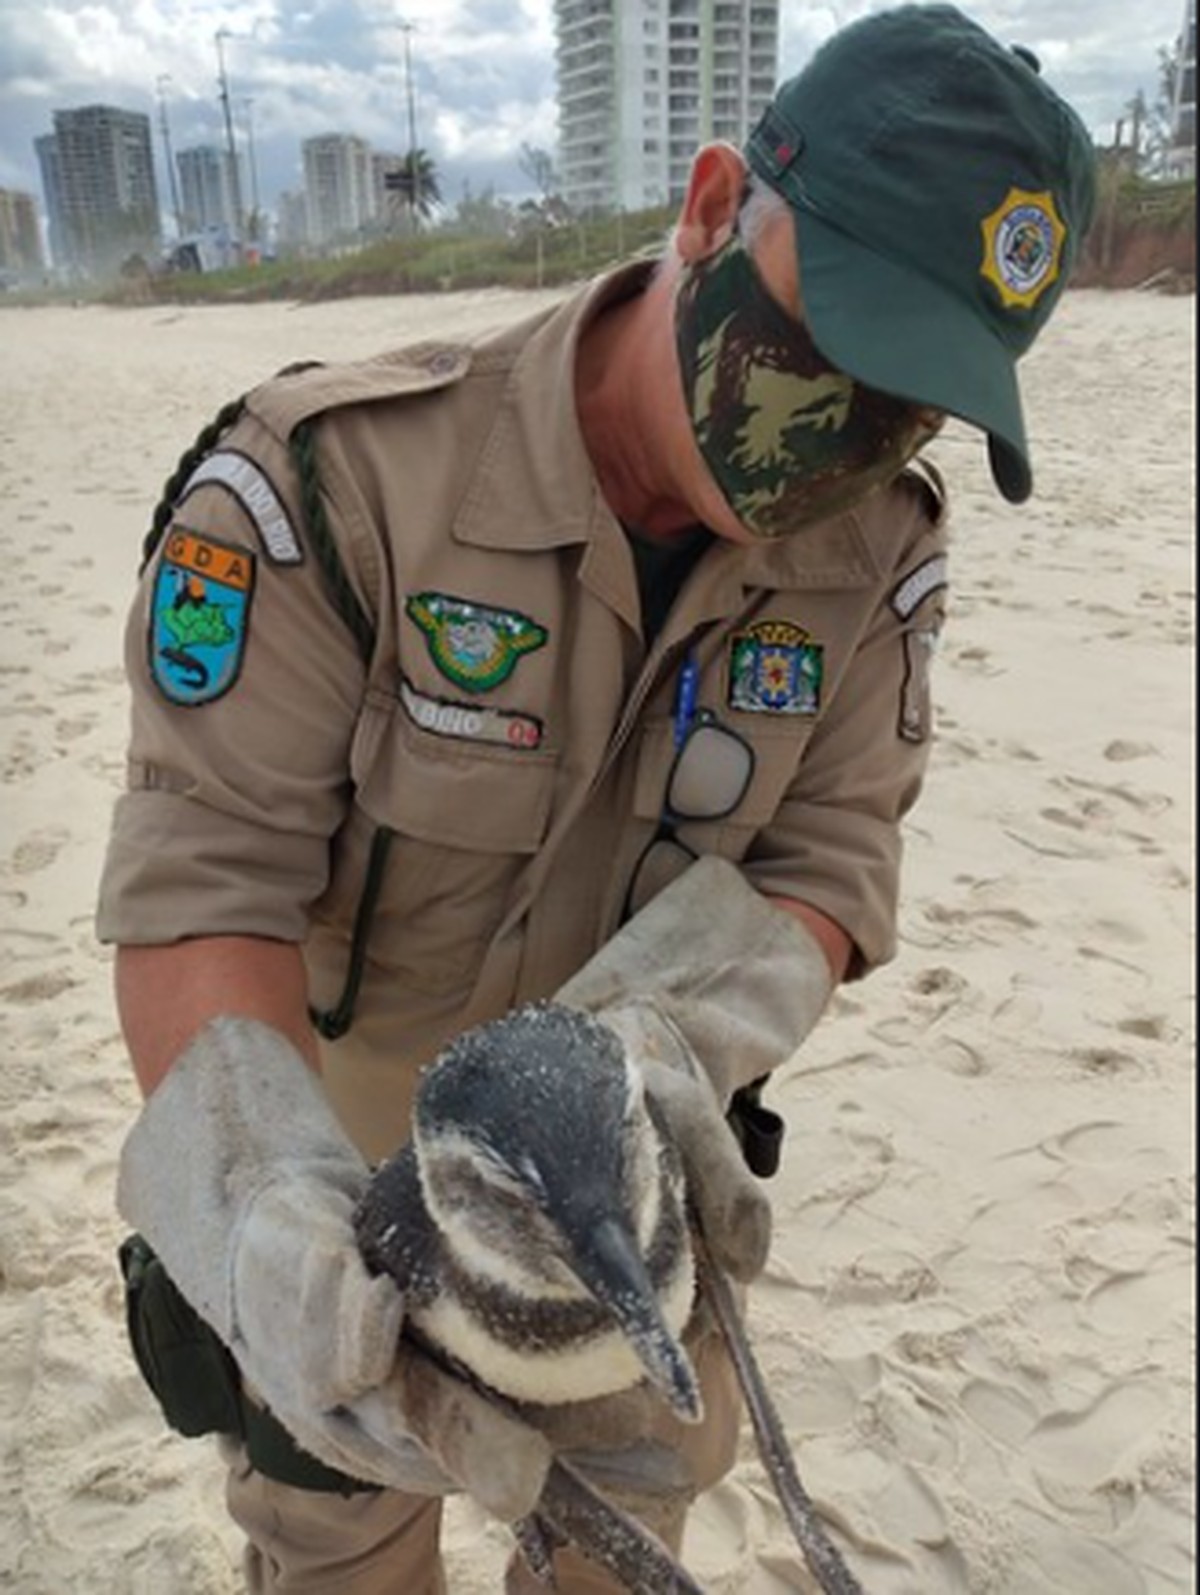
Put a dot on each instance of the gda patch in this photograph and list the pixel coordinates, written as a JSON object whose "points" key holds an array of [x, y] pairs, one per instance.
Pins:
{"points": [[199, 617]]}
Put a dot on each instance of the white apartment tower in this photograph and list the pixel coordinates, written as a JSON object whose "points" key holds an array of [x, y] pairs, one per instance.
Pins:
{"points": [[338, 187], [206, 185], [643, 83], [1181, 156]]}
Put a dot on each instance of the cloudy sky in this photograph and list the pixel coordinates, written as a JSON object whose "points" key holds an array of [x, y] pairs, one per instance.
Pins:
{"points": [[483, 71]]}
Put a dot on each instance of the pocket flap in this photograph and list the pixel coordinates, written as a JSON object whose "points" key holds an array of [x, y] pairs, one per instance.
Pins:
{"points": [[455, 793]]}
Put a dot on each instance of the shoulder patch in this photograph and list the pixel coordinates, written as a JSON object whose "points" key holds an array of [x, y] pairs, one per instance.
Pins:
{"points": [[931, 576], [255, 492], [199, 617]]}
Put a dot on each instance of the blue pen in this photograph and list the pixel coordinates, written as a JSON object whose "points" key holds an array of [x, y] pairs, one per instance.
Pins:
{"points": [[685, 697]]}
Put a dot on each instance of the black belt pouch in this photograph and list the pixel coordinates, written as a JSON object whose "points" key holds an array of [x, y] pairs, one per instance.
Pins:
{"points": [[197, 1381], [183, 1361]]}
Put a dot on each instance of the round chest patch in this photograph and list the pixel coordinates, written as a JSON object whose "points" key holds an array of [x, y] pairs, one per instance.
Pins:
{"points": [[1022, 247]]}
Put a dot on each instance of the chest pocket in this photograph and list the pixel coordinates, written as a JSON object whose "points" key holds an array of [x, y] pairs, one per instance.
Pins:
{"points": [[440, 831]]}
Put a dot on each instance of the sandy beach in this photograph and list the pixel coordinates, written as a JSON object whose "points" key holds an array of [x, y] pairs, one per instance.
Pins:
{"points": [[977, 1318]]}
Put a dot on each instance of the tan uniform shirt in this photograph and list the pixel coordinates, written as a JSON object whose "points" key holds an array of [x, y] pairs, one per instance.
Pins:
{"points": [[509, 728]]}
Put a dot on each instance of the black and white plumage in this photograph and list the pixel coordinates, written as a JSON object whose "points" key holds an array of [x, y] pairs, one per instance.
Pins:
{"points": [[536, 1221]]}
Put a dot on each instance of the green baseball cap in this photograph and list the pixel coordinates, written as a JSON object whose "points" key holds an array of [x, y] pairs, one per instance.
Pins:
{"points": [[942, 190]]}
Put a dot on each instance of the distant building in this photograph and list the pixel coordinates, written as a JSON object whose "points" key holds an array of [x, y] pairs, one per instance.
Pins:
{"points": [[100, 189], [46, 149], [292, 228], [1181, 155], [338, 187], [206, 190], [20, 240], [643, 83], [388, 195]]}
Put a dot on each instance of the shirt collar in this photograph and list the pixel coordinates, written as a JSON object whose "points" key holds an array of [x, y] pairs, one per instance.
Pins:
{"points": [[525, 496], [525, 492]]}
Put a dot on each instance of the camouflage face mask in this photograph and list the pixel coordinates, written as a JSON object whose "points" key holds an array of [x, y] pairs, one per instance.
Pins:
{"points": [[788, 438]]}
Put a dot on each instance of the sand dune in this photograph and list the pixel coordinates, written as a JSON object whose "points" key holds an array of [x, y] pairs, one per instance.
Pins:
{"points": [[978, 1314]]}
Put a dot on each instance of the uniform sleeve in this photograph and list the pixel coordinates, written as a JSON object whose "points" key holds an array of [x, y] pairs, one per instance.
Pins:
{"points": [[246, 687], [836, 840]]}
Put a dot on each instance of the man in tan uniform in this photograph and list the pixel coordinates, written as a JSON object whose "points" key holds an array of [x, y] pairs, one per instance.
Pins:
{"points": [[447, 667]]}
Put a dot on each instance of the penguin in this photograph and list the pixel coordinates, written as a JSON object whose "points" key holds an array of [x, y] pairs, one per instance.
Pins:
{"points": [[536, 1220]]}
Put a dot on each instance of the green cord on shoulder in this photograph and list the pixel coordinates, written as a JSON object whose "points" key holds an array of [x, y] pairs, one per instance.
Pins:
{"points": [[207, 440], [302, 446]]}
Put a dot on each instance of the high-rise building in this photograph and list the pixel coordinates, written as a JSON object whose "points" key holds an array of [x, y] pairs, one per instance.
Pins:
{"points": [[102, 172], [207, 190], [338, 187], [643, 83], [1181, 155], [20, 240], [46, 149], [292, 226]]}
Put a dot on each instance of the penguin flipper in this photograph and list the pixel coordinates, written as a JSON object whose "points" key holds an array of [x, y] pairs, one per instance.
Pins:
{"points": [[395, 1234]]}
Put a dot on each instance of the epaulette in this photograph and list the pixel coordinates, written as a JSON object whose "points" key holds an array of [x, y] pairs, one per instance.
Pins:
{"points": [[925, 475], [300, 393]]}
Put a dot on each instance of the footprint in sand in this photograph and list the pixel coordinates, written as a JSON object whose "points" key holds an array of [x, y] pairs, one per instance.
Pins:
{"points": [[1121, 752], [37, 852], [1144, 802], [975, 660], [1151, 1028], [1105, 1061], [1087, 1447], [21, 760], [38, 988]]}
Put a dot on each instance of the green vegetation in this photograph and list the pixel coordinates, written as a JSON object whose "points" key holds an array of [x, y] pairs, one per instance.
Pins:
{"points": [[1141, 227], [534, 254]]}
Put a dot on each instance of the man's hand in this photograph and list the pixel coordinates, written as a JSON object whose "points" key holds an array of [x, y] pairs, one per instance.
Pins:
{"points": [[240, 1177]]}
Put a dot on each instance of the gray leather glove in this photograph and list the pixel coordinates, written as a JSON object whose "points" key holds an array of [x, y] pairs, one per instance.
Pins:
{"points": [[240, 1177], [710, 987]]}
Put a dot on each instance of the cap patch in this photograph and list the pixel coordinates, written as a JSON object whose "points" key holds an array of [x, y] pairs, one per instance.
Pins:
{"points": [[199, 617], [473, 645], [775, 667], [1023, 242]]}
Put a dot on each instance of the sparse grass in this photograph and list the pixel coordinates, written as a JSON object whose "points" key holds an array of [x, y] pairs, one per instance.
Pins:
{"points": [[435, 261]]}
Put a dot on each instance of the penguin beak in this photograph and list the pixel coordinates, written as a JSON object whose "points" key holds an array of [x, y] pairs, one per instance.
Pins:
{"points": [[605, 1256]]}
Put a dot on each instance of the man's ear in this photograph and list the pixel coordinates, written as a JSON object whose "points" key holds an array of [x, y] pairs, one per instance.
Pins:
{"points": [[710, 207]]}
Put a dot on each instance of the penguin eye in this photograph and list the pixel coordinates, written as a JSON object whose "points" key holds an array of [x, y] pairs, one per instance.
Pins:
{"points": [[520, 1179]]}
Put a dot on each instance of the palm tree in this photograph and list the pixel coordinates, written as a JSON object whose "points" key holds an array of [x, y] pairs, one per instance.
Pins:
{"points": [[415, 183]]}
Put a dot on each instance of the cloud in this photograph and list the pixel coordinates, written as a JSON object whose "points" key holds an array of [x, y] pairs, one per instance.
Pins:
{"points": [[483, 70]]}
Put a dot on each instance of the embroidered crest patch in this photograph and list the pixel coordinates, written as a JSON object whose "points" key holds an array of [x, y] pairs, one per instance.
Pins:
{"points": [[775, 667], [473, 645], [1022, 246], [199, 617]]}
